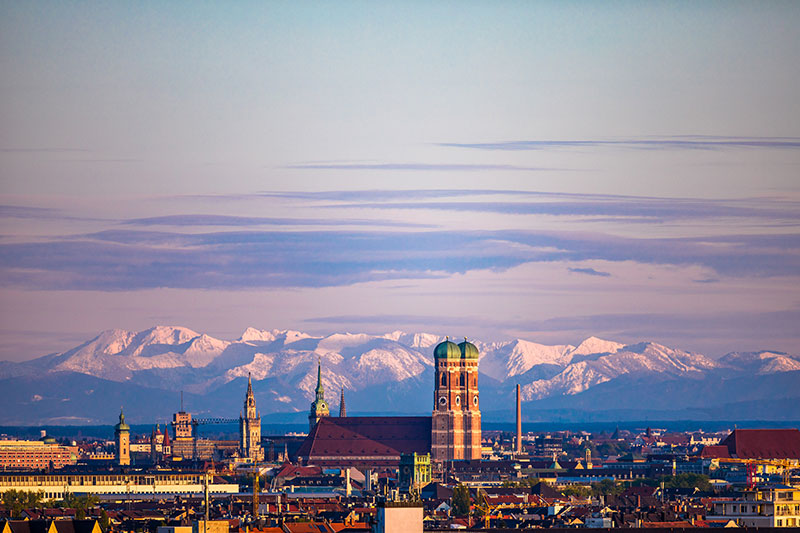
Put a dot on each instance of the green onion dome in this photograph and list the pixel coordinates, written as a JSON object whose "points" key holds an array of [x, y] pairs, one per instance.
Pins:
{"points": [[122, 426], [447, 350], [468, 350]]}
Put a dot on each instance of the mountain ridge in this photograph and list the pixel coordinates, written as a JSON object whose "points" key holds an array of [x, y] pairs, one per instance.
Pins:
{"points": [[392, 370]]}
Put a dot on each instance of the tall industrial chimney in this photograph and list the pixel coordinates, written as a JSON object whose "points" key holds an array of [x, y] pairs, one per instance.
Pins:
{"points": [[519, 422]]}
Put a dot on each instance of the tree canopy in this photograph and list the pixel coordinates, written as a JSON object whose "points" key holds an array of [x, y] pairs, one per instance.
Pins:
{"points": [[17, 500], [461, 500]]}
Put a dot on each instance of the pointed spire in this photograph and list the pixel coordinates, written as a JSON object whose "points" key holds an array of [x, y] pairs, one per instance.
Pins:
{"points": [[342, 408], [319, 390], [249, 384]]}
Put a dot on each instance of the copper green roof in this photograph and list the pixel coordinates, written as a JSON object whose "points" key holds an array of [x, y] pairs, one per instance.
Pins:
{"points": [[122, 426], [447, 350], [468, 350]]}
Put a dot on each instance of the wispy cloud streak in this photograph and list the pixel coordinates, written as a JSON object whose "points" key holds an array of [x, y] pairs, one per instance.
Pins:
{"points": [[652, 209], [667, 143], [239, 221], [425, 167], [590, 272], [125, 259]]}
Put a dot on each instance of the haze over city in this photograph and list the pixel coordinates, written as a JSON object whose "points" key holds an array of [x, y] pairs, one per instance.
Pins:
{"points": [[548, 170]]}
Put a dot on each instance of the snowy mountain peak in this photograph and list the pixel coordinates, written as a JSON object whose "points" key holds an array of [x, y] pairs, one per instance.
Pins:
{"points": [[763, 362], [596, 345], [415, 340], [508, 359], [166, 335], [257, 335], [110, 341]]}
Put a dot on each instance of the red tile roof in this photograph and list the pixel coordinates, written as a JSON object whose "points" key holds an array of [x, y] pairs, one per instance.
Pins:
{"points": [[763, 443], [292, 471], [308, 527], [715, 452], [366, 438]]}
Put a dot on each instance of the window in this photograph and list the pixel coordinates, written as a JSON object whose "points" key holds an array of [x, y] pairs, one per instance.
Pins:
{"points": [[444, 379], [461, 380]]}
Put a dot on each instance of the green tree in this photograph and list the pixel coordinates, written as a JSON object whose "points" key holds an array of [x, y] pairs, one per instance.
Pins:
{"points": [[687, 481], [579, 491], [105, 521], [606, 487], [81, 503], [461, 500], [17, 500]]}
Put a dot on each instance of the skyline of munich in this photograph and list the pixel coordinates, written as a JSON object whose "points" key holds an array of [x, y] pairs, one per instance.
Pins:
{"points": [[548, 171]]}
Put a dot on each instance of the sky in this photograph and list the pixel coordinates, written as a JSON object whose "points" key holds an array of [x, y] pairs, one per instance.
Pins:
{"points": [[539, 170]]}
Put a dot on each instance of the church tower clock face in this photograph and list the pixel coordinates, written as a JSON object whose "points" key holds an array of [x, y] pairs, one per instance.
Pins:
{"points": [[442, 401], [458, 400]]}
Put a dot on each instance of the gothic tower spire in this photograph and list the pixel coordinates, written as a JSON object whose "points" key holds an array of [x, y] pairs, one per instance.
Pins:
{"points": [[318, 407], [319, 390], [342, 408], [250, 426]]}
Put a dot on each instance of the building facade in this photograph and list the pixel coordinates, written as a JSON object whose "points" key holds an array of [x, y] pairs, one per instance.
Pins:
{"points": [[456, 424], [250, 427], [105, 483], [35, 455], [772, 506], [414, 472]]}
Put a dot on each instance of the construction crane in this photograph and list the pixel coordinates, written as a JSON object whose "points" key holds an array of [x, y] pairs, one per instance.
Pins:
{"points": [[256, 488], [751, 465]]}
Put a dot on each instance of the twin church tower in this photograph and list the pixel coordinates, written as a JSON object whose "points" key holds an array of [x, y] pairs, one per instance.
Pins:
{"points": [[456, 421]]}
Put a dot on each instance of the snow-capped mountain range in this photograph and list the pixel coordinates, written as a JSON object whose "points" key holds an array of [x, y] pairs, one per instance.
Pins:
{"points": [[380, 373]]}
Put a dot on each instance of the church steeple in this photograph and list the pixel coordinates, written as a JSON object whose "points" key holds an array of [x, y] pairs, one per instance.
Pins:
{"points": [[342, 408], [319, 390], [250, 426], [318, 407], [250, 400]]}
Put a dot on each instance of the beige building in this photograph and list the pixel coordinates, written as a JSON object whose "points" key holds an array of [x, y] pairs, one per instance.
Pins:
{"points": [[773, 506], [35, 454], [399, 517]]}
